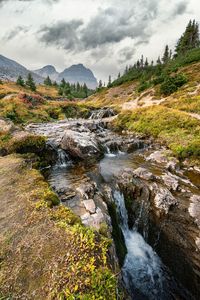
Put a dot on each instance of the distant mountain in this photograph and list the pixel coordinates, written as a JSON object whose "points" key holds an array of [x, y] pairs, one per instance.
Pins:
{"points": [[10, 70], [48, 71], [73, 74], [79, 73]]}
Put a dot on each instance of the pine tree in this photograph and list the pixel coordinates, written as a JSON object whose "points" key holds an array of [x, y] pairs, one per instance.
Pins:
{"points": [[85, 89], [126, 70], [119, 75], [48, 81], [166, 55], [63, 83], [142, 62], [100, 84], [20, 81], [146, 64], [78, 87], [109, 81], [30, 83], [189, 39], [158, 61]]}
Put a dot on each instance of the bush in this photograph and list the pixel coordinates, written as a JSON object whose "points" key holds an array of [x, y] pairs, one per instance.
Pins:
{"points": [[143, 86], [172, 83]]}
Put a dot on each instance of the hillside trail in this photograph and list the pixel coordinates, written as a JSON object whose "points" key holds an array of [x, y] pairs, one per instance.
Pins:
{"points": [[147, 100]]}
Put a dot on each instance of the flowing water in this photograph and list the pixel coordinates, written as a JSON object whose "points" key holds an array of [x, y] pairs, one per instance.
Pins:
{"points": [[144, 275]]}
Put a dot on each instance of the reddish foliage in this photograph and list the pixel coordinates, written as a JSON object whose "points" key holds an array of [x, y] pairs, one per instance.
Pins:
{"points": [[32, 100]]}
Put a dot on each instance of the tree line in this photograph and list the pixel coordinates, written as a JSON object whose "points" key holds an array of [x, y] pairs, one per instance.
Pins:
{"points": [[65, 89], [189, 40]]}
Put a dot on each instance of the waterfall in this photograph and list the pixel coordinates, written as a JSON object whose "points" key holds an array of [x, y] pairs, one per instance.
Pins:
{"points": [[63, 159], [142, 270], [108, 152]]}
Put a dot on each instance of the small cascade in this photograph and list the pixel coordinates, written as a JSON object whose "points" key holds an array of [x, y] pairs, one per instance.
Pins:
{"points": [[102, 113], [142, 270], [63, 159], [108, 152]]}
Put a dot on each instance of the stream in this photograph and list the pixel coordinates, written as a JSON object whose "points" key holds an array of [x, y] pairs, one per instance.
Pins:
{"points": [[147, 271]]}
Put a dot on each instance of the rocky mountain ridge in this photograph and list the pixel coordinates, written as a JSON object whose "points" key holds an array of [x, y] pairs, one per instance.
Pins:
{"points": [[10, 70], [75, 73]]}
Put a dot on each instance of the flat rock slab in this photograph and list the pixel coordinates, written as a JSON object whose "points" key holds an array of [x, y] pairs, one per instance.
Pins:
{"points": [[90, 205]]}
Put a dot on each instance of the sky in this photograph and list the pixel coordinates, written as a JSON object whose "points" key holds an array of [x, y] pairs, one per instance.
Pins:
{"points": [[104, 35]]}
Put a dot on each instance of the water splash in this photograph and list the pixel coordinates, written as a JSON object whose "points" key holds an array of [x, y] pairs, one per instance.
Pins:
{"points": [[63, 159], [142, 269]]}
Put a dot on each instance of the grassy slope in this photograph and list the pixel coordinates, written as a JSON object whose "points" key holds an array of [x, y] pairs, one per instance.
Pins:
{"points": [[46, 253], [170, 121], [38, 109]]}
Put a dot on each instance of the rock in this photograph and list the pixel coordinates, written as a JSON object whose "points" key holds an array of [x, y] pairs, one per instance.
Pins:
{"points": [[87, 190], [80, 145], [143, 174], [164, 157], [164, 199], [90, 205], [170, 181], [194, 208], [6, 126]]}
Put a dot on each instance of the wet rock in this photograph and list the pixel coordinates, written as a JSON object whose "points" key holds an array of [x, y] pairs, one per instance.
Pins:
{"points": [[143, 174], [87, 190], [194, 208], [164, 157], [90, 205], [102, 113], [170, 181], [163, 199], [80, 145]]}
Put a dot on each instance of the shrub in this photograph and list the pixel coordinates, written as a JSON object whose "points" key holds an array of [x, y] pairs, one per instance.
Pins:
{"points": [[32, 100], [172, 83], [26, 144], [143, 86], [168, 87]]}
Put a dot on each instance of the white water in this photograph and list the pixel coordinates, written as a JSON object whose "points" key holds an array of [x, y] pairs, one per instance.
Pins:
{"points": [[142, 269], [63, 159]]}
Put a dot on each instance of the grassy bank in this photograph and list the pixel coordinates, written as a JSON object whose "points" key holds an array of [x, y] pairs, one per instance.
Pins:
{"points": [[46, 253], [176, 129]]}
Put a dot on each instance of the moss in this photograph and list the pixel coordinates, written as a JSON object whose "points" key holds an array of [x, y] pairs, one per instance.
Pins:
{"points": [[64, 214], [51, 199], [26, 144]]}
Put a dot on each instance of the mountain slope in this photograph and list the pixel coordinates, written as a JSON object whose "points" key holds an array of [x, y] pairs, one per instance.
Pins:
{"points": [[10, 70], [79, 73], [48, 70]]}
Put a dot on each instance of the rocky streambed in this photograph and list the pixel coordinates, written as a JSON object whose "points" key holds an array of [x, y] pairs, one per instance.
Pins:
{"points": [[135, 188]]}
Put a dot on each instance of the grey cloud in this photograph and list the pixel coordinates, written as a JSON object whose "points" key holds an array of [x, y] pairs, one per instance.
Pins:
{"points": [[126, 54], [114, 25], [180, 8], [45, 1], [62, 34], [16, 31]]}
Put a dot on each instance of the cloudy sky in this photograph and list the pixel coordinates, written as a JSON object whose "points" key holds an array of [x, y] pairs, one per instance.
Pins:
{"points": [[104, 35]]}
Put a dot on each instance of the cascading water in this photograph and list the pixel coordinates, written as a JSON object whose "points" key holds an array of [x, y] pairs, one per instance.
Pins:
{"points": [[142, 270], [63, 158]]}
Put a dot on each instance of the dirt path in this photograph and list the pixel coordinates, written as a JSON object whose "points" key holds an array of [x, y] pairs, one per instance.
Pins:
{"points": [[196, 116], [29, 240]]}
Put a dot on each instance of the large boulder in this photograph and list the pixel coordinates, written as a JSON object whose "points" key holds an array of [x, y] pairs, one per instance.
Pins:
{"points": [[80, 145]]}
